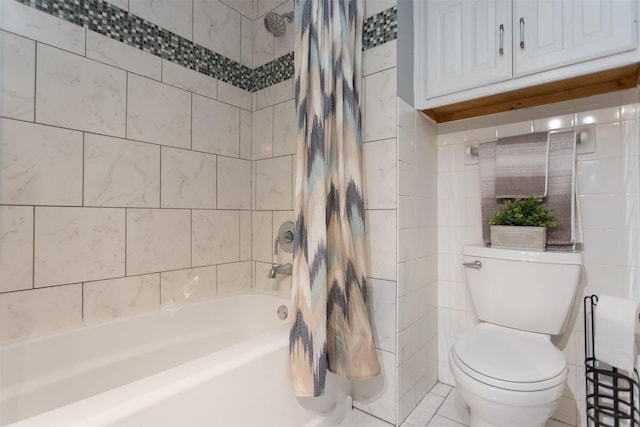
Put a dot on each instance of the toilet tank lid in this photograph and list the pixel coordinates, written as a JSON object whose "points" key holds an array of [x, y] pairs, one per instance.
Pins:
{"points": [[509, 354], [552, 257]]}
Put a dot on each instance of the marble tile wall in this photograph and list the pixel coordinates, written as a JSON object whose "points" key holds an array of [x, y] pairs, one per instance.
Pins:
{"points": [[274, 147], [379, 396], [125, 179], [608, 182], [225, 40], [399, 161], [130, 171]]}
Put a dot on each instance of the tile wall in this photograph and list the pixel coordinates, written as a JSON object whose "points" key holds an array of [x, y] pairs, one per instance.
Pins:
{"points": [[125, 179], [130, 181], [417, 258], [608, 182], [399, 162], [379, 395]]}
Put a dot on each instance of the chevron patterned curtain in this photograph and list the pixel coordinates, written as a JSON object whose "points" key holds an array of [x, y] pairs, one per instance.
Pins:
{"points": [[330, 326]]}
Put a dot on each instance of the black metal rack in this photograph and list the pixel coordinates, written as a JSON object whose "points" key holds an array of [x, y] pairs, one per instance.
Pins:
{"points": [[612, 397]]}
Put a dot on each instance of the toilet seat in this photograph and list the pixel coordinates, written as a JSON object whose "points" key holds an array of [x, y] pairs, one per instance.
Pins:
{"points": [[509, 359]]}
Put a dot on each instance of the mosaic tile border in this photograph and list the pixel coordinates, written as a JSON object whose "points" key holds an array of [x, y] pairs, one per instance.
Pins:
{"points": [[380, 28], [273, 72], [111, 21]]}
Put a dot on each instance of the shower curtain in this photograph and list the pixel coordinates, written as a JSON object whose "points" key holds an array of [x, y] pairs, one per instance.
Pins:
{"points": [[330, 326]]}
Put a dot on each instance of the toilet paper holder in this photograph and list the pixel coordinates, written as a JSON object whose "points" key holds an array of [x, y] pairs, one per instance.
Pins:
{"points": [[612, 398]]}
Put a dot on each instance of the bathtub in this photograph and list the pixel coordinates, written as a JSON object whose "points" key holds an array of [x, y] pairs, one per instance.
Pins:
{"points": [[222, 362]]}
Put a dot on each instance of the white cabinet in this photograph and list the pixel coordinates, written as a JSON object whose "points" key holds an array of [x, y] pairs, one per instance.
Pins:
{"points": [[465, 49], [465, 44], [553, 33]]}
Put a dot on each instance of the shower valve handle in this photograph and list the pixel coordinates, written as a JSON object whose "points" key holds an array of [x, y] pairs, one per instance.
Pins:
{"points": [[286, 237]]}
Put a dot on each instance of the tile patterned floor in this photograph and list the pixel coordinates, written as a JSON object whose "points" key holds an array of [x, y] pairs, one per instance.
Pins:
{"points": [[442, 407]]}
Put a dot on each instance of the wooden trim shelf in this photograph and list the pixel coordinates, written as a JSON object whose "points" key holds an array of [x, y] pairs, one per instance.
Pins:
{"points": [[615, 79]]}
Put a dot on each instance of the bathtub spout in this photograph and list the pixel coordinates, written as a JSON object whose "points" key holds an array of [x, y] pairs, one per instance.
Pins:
{"points": [[279, 269]]}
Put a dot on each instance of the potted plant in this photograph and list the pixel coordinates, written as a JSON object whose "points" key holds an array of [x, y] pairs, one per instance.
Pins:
{"points": [[521, 223]]}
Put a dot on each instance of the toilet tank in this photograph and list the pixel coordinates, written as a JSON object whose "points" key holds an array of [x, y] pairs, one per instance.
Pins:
{"points": [[527, 290]]}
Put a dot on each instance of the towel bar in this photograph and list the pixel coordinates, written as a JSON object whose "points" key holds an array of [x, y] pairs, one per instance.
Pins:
{"points": [[584, 136]]}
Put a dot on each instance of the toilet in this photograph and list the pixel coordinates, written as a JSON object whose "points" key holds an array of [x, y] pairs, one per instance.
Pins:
{"points": [[506, 368]]}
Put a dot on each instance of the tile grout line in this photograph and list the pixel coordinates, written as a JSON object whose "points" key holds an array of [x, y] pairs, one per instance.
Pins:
{"points": [[281, 67]]}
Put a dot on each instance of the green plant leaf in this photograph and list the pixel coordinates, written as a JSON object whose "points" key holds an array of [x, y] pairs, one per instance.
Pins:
{"points": [[527, 211]]}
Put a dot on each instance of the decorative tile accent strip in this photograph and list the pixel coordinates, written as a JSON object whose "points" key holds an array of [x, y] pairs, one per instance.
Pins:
{"points": [[273, 72], [380, 28], [111, 21]]}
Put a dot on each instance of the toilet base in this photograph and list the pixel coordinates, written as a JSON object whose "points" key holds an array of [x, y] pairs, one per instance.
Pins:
{"points": [[475, 421], [495, 407]]}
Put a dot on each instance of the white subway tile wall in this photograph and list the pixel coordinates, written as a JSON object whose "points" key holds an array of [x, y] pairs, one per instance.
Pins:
{"points": [[608, 198], [399, 165]]}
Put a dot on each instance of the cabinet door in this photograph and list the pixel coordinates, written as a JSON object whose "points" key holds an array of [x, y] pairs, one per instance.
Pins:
{"points": [[553, 33], [463, 44]]}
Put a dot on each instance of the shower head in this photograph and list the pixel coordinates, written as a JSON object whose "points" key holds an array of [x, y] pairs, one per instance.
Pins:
{"points": [[274, 22]]}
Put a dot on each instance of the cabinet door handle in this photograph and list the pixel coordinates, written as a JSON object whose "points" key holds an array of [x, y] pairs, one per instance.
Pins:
{"points": [[521, 33], [501, 50]]}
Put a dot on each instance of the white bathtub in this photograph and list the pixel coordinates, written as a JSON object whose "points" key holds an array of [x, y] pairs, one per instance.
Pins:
{"points": [[222, 362]]}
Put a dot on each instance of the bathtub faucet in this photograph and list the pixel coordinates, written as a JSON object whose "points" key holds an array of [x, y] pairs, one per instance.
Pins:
{"points": [[279, 269]]}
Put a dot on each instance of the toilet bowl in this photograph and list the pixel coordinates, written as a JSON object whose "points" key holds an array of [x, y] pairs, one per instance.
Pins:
{"points": [[509, 377], [506, 368]]}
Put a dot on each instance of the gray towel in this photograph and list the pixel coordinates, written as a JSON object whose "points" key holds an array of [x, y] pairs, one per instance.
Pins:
{"points": [[561, 193], [487, 168], [561, 197], [522, 166]]}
